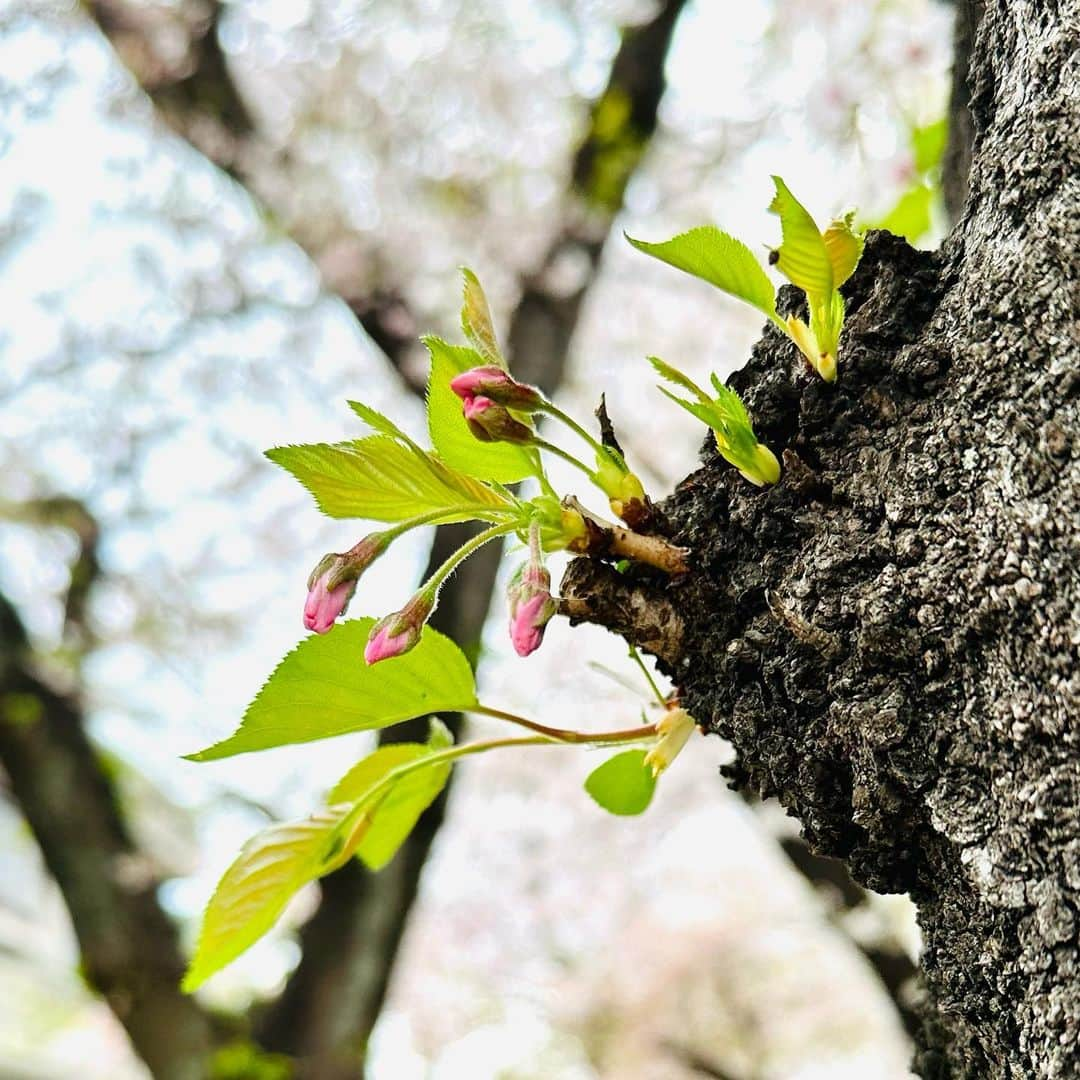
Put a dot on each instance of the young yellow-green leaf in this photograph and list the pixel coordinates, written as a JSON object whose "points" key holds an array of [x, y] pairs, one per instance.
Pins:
{"points": [[720, 259], [476, 320], [323, 688], [380, 479], [844, 248], [727, 416], [624, 784], [673, 374], [504, 463], [397, 812], [802, 257], [381, 424], [272, 867], [910, 217]]}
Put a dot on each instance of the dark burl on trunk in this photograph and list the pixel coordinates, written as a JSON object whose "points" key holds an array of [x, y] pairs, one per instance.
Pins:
{"points": [[890, 637]]}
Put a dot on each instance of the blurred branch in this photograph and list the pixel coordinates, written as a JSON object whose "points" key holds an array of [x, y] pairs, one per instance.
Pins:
{"points": [[130, 952], [64, 512], [191, 85]]}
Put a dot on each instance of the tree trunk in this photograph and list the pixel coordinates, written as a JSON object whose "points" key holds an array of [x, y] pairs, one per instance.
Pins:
{"points": [[890, 635]]}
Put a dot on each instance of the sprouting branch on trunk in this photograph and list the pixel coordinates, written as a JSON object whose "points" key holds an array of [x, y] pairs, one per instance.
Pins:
{"points": [[933, 747], [594, 592]]}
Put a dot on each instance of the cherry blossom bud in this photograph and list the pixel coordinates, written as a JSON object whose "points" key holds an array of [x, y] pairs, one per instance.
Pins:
{"points": [[333, 581], [490, 422], [399, 632], [531, 607], [672, 730], [324, 605], [497, 385]]}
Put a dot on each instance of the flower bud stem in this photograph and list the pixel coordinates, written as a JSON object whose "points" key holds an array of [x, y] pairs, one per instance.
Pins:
{"points": [[636, 657], [379, 791], [634, 734], [574, 426], [436, 517], [558, 451], [434, 583]]}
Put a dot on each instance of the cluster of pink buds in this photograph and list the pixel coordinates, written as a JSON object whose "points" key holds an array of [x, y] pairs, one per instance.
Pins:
{"points": [[488, 394], [333, 581]]}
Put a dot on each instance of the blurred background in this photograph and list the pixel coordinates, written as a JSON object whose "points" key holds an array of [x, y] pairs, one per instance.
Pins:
{"points": [[218, 221]]}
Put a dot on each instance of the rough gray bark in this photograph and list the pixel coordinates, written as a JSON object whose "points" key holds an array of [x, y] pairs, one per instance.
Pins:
{"points": [[890, 636]]}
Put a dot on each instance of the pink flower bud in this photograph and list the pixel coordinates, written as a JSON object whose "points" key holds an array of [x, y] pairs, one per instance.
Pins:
{"points": [[399, 632], [324, 605], [490, 422], [531, 607], [333, 581], [529, 622], [475, 407], [383, 644], [497, 385]]}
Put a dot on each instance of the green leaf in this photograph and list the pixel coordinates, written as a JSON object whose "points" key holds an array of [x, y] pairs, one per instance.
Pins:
{"points": [[380, 479], [323, 688], [271, 868], [802, 257], [910, 215], [673, 374], [702, 410], [844, 248], [730, 422], [476, 320], [928, 144], [504, 463], [720, 259], [394, 814], [382, 424], [624, 784]]}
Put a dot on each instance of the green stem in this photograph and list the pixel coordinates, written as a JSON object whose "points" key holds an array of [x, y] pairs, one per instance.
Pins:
{"points": [[574, 426], [434, 582], [535, 552], [563, 735], [436, 516], [546, 737], [636, 657], [545, 484], [379, 791], [558, 451]]}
